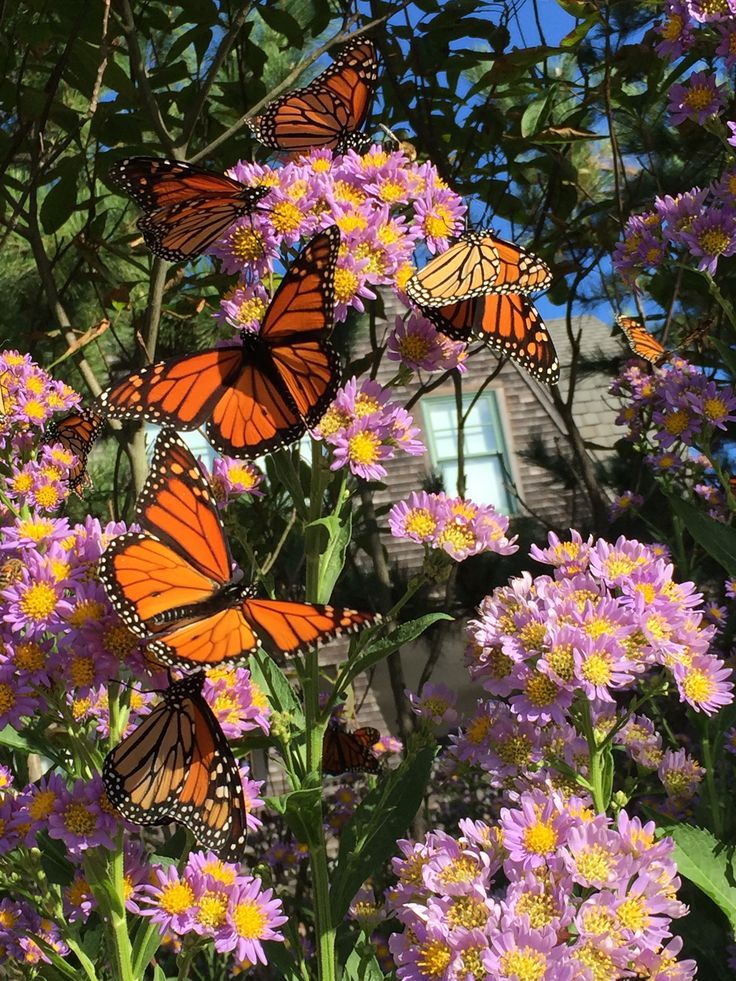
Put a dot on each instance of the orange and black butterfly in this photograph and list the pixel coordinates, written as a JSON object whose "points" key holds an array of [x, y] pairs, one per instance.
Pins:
{"points": [[507, 322], [186, 208], [259, 395], [344, 751], [177, 765], [76, 432], [641, 342], [175, 586], [477, 264], [329, 112]]}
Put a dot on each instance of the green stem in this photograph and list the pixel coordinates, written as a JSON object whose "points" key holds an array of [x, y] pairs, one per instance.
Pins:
{"points": [[123, 966], [720, 299], [715, 803], [315, 512], [595, 759]]}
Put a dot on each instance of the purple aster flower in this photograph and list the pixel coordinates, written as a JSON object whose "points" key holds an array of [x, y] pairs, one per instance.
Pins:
{"points": [[351, 286], [250, 243], [232, 478], [362, 448], [593, 857], [18, 700], [436, 703], [705, 683], [710, 11], [675, 31], [534, 832], [237, 703], [678, 213], [439, 217], [171, 899], [711, 235], [78, 899], [680, 774], [419, 517], [732, 138], [662, 965], [415, 342], [79, 819], [569, 557], [243, 307], [425, 946], [403, 434], [699, 99], [253, 916], [624, 504], [518, 947], [730, 588], [727, 47], [716, 405]]}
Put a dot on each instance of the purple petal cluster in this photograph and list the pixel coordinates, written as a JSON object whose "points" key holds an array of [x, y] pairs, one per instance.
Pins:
{"points": [[456, 526], [365, 428], [551, 891], [382, 203], [212, 899], [418, 345]]}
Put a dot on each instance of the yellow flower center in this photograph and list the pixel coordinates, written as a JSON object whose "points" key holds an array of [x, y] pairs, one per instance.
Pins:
{"points": [[466, 912], [715, 408], [524, 964], [560, 659], [247, 244], [599, 963], [29, 656], [249, 920], [597, 668], [286, 217], [633, 913], [333, 421], [541, 690], [212, 909], [47, 497], [540, 838], [440, 224], [220, 872], [594, 863], [176, 897], [363, 447], [252, 309], [672, 28], [42, 804], [79, 891], [345, 193], [78, 819], [461, 869], [598, 920], [434, 958], [532, 635], [59, 569], [540, 908], [477, 731], [420, 522], [34, 409], [391, 191], [404, 274], [346, 285], [516, 750], [351, 221], [23, 483], [599, 626], [119, 641], [84, 612], [699, 97], [321, 165], [698, 686], [458, 535], [498, 664], [39, 601], [81, 671], [36, 529], [714, 241], [472, 961]]}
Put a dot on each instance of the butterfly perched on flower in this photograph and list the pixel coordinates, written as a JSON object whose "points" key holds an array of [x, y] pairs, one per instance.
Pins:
{"points": [[175, 586], [641, 342], [263, 393], [76, 432], [477, 264], [507, 322], [185, 208], [344, 751], [329, 112], [177, 765]]}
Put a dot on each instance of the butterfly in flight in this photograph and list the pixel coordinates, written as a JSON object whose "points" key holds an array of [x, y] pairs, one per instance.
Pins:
{"points": [[507, 322], [185, 208], [174, 585], [76, 432], [177, 765], [477, 264], [329, 112], [259, 395], [344, 751], [641, 342]]}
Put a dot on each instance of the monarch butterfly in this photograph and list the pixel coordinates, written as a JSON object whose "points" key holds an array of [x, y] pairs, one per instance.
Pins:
{"points": [[263, 394], [185, 208], [344, 751], [177, 765], [507, 322], [328, 112], [174, 585], [478, 263], [76, 432], [641, 342]]}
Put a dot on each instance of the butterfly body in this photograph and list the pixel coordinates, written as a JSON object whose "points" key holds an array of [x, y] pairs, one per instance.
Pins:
{"points": [[178, 766], [76, 432], [175, 586], [329, 112], [264, 393], [346, 751], [641, 342], [186, 208]]}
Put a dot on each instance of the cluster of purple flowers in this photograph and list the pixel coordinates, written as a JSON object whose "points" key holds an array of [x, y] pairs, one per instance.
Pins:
{"points": [[212, 899], [418, 345], [381, 202], [364, 428], [699, 224], [580, 897], [230, 478], [671, 412], [456, 526]]}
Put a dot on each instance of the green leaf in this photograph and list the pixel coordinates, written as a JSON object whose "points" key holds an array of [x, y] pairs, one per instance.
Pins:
{"points": [[532, 115], [145, 942], [383, 816], [282, 23], [282, 468], [158, 972], [54, 862], [380, 648], [564, 134], [718, 540], [708, 863], [329, 538], [727, 353], [14, 740], [269, 677], [361, 963], [580, 32], [61, 200], [302, 811]]}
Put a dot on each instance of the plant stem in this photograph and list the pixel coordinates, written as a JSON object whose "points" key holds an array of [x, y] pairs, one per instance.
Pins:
{"points": [[708, 762], [123, 966], [595, 759]]}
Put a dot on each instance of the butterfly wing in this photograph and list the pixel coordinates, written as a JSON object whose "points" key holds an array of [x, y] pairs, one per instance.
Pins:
{"points": [[328, 111], [297, 326], [344, 751], [641, 342], [285, 628], [468, 268], [186, 208], [519, 271], [178, 766], [509, 323], [76, 432]]}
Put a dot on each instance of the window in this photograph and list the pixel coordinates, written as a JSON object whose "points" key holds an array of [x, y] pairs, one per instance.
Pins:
{"points": [[486, 459]]}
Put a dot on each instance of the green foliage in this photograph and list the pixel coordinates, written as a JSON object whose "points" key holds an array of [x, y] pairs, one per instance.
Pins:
{"points": [[708, 863]]}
